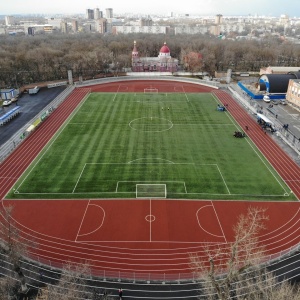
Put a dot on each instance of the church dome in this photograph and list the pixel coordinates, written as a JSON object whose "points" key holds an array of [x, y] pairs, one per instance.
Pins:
{"points": [[164, 49]]}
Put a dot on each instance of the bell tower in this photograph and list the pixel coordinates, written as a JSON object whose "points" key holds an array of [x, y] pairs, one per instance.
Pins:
{"points": [[135, 58]]}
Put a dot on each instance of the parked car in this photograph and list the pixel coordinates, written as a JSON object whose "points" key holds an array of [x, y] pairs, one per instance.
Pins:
{"points": [[6, 102], [283, 102], [266, 98]]}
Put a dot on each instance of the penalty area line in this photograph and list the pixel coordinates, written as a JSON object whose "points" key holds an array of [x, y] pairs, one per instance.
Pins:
{"points": [[219, 222]]}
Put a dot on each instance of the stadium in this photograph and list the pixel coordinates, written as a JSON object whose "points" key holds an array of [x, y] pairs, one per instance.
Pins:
{"points": [[132, 176]]}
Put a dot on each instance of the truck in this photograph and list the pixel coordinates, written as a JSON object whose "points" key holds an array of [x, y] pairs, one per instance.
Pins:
{"points": [[34, 90]]}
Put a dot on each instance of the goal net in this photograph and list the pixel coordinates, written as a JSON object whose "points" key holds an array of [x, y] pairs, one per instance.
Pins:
{"points": [[150, 91], [146, 191]]}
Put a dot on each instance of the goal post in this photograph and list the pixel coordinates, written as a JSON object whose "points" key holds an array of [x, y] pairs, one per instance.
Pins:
{"points": [[146, 191], [150, 91]]}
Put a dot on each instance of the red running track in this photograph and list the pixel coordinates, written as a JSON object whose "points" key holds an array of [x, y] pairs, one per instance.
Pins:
{"points": [[142, 236]]}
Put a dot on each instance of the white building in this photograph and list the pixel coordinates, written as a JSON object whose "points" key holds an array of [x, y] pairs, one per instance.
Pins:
{"points": [[9, 20], [109, 13], [140, 29], [191, 29]]}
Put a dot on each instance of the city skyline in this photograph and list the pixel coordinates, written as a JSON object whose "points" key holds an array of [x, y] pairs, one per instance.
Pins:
{"points": [[272, 8]]}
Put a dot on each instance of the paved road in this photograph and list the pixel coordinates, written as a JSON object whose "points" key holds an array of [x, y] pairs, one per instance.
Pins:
{"points": [[30, 105]]}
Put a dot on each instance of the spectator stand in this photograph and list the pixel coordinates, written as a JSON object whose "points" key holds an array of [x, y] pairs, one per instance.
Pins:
{"points": [[8, 116], [265, 122]]}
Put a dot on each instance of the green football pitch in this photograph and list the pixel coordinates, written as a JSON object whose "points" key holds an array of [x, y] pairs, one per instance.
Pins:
{"points": [[150, 146]]}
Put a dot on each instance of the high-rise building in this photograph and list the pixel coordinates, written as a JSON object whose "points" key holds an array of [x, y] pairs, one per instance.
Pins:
{"points": [[97, 14], [9, 20], [64, 27], [30, 30], [146, 22], [109, 13], [89, 14], [75, 25], [219, 19]]}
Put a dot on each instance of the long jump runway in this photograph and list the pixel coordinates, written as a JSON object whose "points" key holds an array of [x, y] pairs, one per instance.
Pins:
{"points": [[153, 236]]}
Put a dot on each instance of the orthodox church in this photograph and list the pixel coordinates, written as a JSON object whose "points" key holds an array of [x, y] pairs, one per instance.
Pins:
{"points": [[163, 63]]}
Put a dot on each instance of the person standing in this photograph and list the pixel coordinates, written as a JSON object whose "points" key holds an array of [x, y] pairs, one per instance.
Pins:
{"points": [[120, 294]]}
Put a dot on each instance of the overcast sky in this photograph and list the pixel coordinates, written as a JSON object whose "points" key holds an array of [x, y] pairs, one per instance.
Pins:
{"points": [[192, 7]]}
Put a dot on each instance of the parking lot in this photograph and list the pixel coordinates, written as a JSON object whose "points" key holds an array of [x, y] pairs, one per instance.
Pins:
{"points": [[30, 106]]}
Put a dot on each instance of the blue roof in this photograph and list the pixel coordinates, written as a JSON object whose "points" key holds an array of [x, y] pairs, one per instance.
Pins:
{"points": [[9, 113]]}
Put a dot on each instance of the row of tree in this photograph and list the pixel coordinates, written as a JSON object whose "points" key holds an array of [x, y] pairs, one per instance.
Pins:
{"points": [[30, 59], [231, 271]]}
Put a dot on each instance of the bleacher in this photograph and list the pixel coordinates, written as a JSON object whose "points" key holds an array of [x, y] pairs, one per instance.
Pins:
{"points": [[8, 116]]}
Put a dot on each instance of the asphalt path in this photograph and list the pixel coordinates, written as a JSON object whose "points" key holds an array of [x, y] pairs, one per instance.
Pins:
{"points": [[31, 105]]}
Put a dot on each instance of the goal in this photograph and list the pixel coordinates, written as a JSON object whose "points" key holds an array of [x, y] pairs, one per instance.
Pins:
{"points": [[150, 91], [146, 191]]}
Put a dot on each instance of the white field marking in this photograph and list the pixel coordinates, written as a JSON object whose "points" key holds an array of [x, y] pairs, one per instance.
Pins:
{"points": [[98, 206], [168, 122], [202, 124], [219, 222], [187, 99], [113, 248], [52, 140], [223, 179], [220, 236], [177, 88], [160, 182], [82, 220], [153, 241], [3, 177], [283, 225], [185, 188], [199, 193], [168, 161], [116, 93], [61, 241], [258, 153], [150, 236], [124, 87], [79, 178]]}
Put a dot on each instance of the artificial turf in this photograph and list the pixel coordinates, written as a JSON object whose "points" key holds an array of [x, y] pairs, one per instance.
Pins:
{"points": [[172, 145]]}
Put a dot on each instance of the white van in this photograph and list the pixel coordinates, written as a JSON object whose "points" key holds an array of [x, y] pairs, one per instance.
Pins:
{"points": [[266, 98]]}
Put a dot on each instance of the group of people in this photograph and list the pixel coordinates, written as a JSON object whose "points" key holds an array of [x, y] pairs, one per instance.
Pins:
{"points": [[239, 134], [221, 108]]}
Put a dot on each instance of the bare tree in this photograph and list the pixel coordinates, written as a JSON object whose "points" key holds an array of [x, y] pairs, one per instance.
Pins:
{"points": [[14, 247], [73, 284], [8, 288], [13, 242], [234, 271]]}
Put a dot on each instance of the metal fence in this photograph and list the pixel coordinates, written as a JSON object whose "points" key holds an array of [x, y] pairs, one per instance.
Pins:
{"points": [[210, 83]]}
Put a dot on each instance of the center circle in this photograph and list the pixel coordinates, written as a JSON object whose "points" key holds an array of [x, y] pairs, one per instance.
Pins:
{"points": [[150, 218], [151, 124]]}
